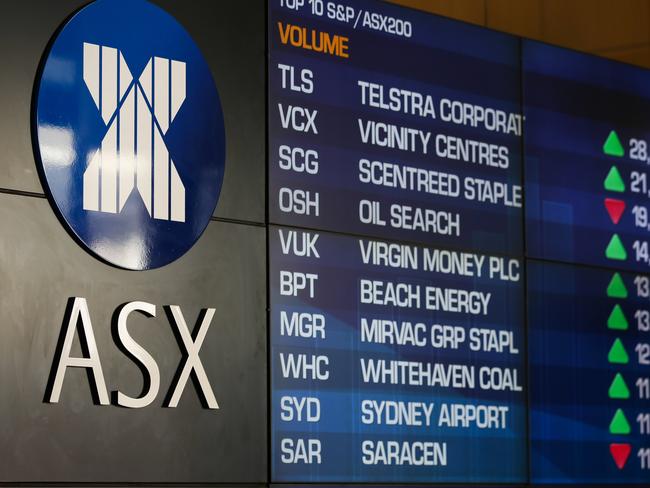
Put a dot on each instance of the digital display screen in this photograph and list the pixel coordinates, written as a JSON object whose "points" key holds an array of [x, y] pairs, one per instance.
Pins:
{"points": [[390, 368], [456, 254], [586, 203], [589, 373], [586, 158], [372, 141]]}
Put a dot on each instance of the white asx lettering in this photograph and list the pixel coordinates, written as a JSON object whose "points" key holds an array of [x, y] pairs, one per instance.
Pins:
{"points": [[78, 315]]}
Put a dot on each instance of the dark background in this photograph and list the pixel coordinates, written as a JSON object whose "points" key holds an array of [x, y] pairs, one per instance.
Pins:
{"points": [[41, 267]]}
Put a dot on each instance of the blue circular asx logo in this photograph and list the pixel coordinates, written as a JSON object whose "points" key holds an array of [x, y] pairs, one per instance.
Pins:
{"points": [[130, 133]]}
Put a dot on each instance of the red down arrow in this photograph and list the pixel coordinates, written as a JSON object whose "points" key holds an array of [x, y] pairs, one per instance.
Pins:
{"points": [[615, 209], [620, 453]]}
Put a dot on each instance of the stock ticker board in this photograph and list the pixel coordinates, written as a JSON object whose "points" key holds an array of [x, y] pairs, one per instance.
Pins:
{"points": [[586, 158], [396, 147], [426, 328], [588, 360], [587, 198]]}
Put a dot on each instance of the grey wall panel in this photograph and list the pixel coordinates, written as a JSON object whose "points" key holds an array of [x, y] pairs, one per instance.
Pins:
{"points": [[230, 34], [78, 441]]}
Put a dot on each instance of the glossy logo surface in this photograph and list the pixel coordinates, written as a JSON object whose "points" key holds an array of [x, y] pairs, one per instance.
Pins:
{"points": [[150, 170], [129, 133]]}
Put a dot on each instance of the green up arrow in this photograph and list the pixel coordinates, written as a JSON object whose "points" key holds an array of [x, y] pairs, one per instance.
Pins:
{"points": [[616, 287], [616, 319], [617, 353], [618, 389], [614, 181], [613, 146], [619, 424], [615, 249]]}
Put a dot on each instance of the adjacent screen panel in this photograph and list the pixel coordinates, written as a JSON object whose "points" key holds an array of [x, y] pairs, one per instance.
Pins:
{"points": [[586, 161], [589, 368], [586, 156], [392, 123]]}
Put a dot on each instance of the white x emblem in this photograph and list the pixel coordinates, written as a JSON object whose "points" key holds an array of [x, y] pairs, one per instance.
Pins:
{"points": [[133, 154]]}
